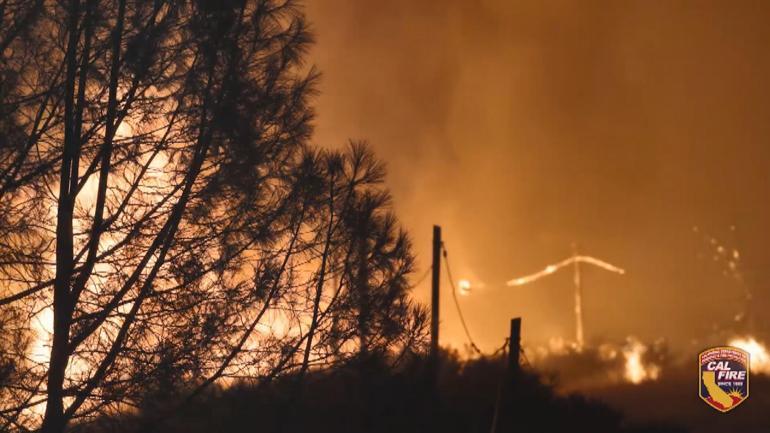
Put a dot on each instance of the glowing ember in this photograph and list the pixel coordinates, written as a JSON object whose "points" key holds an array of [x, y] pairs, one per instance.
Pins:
{"points": [[759, 358], [607, 352], [635, 369], [558, 346], [464, 287]]}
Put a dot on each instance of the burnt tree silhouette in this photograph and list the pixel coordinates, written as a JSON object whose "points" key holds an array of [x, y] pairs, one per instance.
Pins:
{"points": [[365, 252], [159, 199]]}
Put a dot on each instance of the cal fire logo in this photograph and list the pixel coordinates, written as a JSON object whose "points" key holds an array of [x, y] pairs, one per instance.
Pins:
{"points": [[724, 377]]}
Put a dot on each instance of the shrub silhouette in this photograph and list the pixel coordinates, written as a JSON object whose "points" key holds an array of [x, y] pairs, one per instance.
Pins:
{"points": [[368, 395]]}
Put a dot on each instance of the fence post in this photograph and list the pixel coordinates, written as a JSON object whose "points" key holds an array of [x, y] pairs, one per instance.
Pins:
{"points": [[514, 346]]}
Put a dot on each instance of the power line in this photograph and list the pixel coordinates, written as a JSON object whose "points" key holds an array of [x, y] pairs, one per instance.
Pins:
{"points": [[500, 386], [575, 260], [423, 277], [500, 349], [524, 357], [457, 304]]}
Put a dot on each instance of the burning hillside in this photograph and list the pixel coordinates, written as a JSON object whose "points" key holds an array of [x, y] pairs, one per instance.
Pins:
{"points": [[609, 363]]}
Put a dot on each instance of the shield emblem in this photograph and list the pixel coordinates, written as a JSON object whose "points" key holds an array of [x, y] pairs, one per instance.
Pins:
{"points": [[723, 377]]}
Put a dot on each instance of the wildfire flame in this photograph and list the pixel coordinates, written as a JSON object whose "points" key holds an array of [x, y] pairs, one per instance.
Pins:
{"points": [[636, 371], [609, 363], [759, 358]]}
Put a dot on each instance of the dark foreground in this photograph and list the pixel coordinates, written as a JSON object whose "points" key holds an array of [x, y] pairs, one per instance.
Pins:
{"points": [[367, 397], [675, 397]]}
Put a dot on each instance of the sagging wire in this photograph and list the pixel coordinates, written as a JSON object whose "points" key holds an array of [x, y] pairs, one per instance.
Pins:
{"points": [[500, 386], [457, 304], [523, 362], [501, 348], [523, 357], [423, 277]]}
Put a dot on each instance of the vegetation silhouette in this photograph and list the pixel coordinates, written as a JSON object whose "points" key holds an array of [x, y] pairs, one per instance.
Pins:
{"points": [[378, 397], [160, 201], [204, 266]]}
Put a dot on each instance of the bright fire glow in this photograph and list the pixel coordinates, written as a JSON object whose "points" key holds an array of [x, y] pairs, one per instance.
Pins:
{"points": [[759, 358], [42, 326], [636, 371], [550, 269], [464, 287]]}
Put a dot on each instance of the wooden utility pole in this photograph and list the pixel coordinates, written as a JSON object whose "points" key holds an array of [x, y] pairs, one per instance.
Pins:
{"points": [[578, 299], [514, 346], [574, 260], [507, 393], [436, 279]]}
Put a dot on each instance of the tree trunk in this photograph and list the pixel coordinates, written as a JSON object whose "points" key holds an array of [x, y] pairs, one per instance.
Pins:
{"points": [[53, 421]]}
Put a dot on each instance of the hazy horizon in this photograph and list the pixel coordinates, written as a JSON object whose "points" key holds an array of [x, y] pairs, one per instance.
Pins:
{"points": [[522, 127]]}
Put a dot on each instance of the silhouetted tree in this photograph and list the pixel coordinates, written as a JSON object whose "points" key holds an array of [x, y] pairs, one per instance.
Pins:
{"points": [[14, 347], [363, 251], [160, 199]]}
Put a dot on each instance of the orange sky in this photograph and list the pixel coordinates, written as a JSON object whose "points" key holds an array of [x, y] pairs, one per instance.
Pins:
{"points": [[521, 127]]}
